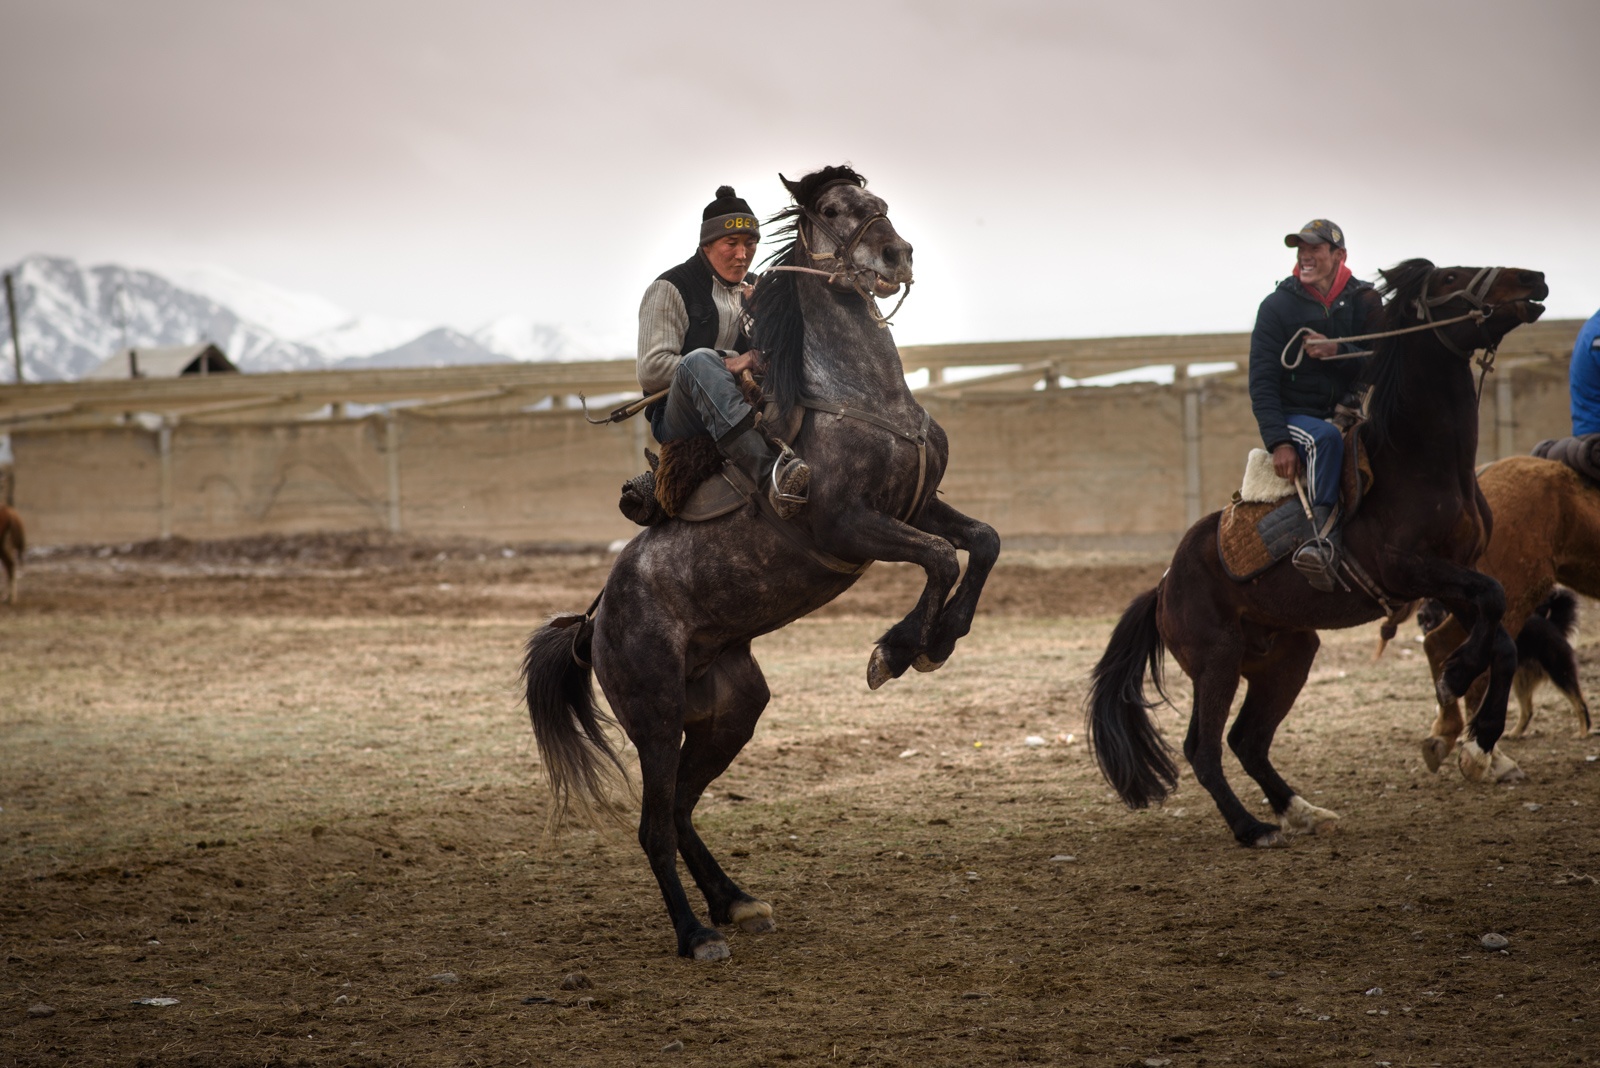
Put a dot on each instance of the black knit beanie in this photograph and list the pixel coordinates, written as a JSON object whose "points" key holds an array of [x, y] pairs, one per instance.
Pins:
{"points": [[728, 214]]}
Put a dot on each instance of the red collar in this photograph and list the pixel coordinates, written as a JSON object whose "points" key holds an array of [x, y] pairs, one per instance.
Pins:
{"points": [[1339, 279]]}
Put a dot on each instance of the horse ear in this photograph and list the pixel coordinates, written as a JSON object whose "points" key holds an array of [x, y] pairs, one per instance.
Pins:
{"points": [[792, 187]]}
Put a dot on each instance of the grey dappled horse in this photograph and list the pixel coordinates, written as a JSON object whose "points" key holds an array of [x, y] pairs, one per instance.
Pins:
{"points": [[669, 636]]}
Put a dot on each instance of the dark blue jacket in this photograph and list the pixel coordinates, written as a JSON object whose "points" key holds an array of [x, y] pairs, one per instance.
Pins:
{"points": [[1316, 386]]}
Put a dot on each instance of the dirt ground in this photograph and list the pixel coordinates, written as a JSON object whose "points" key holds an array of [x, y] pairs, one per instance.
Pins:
{"points": [[287, 783]]}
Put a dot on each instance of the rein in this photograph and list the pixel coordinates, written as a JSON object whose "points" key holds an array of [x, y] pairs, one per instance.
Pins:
{"points": [[1476, 293]]}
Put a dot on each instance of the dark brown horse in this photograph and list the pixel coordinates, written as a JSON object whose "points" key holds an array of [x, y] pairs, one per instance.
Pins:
{"points": [[1418, 533], [13, 543], [1547, 530], [669, 636]]}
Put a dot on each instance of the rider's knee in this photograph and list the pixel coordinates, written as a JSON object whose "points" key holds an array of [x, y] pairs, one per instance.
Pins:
{"points": [[699, 363]]}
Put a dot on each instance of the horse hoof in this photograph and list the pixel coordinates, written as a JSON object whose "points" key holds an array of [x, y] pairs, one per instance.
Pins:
{"points": [[1273, 839], [1475, 763], [922, 663], [753, 917], [1434, 750], [1503, 769], [1306, 818], [713, 948], [878, 671]]}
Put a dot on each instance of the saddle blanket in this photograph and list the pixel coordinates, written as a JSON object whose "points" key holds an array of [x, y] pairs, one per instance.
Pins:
{"points": [[1258, 529]]}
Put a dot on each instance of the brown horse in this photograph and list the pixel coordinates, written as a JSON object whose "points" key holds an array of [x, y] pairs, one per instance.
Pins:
{"points": [[1547, 530], [1417, 534], [13, 543]]}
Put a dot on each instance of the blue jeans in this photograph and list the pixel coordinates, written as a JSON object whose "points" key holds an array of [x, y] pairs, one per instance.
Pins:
{"points": [[705, 399], [1321, 449]]}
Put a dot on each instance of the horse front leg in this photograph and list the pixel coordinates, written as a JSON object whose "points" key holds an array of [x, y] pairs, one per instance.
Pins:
{"points": [[865, 535], [982, 546], [1478, 600]]}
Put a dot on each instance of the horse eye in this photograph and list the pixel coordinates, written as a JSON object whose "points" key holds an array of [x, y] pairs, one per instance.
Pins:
{"points": [[830, 212], [1451, 277]]}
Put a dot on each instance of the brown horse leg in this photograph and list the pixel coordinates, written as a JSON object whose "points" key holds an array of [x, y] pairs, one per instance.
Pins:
{"points": [[1529, 676], [1274, 681], [1214, 686], [982, 546], [724, 704], [1448, 724]]}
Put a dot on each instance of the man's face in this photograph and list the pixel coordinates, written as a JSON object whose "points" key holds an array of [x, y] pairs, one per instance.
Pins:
{"points": [[1318, 264], [730, 256]]}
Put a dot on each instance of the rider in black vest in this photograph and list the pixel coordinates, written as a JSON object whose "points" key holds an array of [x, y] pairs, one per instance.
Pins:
{"points": [[692, 339]]}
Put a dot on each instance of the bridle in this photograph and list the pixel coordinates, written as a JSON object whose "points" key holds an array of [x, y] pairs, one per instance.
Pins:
{"points": [[1476, 294], [843, 256]]}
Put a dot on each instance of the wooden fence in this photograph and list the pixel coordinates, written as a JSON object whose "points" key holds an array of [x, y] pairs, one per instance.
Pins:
{"points": [[497, 452]]}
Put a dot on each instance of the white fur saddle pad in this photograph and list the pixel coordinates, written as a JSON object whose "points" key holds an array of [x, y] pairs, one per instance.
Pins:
{"points": [[1261, 482]]}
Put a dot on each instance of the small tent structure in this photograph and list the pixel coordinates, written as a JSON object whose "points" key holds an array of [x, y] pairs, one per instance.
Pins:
{"points": [[165, 362]]}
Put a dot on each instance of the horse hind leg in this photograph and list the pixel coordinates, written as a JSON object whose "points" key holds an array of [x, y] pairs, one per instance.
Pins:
{"points": [[1523, 687], [650, 706], [1214, 688], [725, 704], [1274, 683]]}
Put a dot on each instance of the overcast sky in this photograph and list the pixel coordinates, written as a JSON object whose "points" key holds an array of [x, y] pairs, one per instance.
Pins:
{"points": [[1063, 169]]}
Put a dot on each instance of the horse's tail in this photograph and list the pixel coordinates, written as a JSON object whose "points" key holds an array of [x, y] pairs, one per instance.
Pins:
{"points": [[1132, 755], [568, 725]]}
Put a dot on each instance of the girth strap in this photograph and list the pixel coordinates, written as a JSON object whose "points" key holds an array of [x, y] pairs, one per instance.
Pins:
{"points": [[919, 438], [793, 534], [1369, 585]]}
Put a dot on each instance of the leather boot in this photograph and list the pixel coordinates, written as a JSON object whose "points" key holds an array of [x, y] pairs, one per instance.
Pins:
{"points": [[783, 475], [1318, 559]]}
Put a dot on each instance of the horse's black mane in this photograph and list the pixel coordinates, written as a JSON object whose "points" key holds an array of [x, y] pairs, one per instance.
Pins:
{"points": [[775, 305], [1402, 285]]}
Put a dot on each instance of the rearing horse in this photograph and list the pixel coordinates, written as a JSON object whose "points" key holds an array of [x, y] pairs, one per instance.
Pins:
{"points": [[669, 636], [1418, 532]]}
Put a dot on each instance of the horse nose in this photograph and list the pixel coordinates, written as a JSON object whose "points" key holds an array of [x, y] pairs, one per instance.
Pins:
{"points": [[897, 256], [1534, 280]]}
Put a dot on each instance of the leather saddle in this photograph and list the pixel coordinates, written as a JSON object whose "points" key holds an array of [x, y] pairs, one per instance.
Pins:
{"points": [[692, 481], [1254, 535]]}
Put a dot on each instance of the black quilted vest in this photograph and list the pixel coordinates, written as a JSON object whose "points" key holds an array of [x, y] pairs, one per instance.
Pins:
{"points": [[693, 280]]}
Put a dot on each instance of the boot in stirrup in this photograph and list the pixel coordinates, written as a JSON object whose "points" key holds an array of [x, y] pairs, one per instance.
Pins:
{"points": [[783, 475], [1318, 559]]}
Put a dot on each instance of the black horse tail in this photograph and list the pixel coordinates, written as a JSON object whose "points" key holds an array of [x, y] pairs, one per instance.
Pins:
{"points": [[568, 725], [1132, 755]]}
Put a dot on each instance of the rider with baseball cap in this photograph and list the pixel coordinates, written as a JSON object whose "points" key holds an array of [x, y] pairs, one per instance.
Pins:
{"points": [[1292, 399]]}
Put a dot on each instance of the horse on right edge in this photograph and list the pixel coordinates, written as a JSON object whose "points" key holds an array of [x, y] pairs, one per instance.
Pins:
{"points": [[1420, 528], [1547, 530]]}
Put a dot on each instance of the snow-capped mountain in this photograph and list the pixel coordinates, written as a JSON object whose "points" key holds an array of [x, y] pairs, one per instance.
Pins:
{"points": [[73, 317], [441, 347]]}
